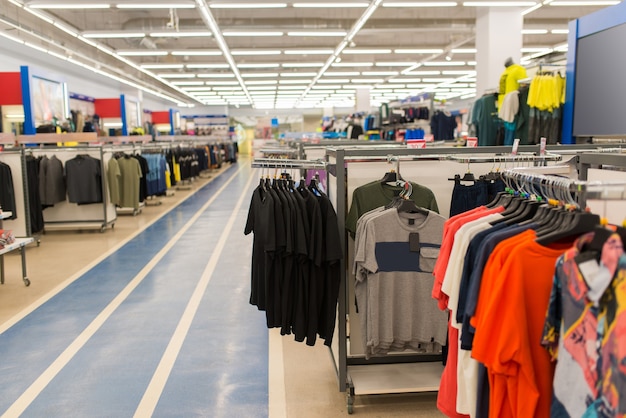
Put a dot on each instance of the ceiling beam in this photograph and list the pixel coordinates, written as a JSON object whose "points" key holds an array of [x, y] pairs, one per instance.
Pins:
{"points": [[211, 23], [374, 4]]}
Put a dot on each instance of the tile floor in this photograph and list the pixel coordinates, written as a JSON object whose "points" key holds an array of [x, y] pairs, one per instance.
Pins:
{"points": [[151, 318]]}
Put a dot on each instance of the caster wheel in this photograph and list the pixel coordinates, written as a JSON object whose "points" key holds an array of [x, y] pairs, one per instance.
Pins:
{"points": [[26, 281], [102, 229], [350, 409]]}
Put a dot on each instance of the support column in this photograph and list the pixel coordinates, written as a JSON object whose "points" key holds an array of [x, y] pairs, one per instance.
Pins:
{"points": [[498, 36]]}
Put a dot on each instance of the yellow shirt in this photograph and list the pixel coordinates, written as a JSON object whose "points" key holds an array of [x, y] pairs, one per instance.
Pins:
{"points": [[509, 80]]}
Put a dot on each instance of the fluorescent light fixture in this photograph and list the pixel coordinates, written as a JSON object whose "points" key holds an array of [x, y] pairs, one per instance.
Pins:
{"points": [[405, 80], [444, 63], [459, 72], [269, 65], [281, 87], [177, 5], [188, 83], [394, 64], [294, 81], [255, 52], [197, 52], [317, 33], [262, 88], [14, 116], [534, 31], [222, 83], [229, 88], [367, 80], [37, 47], [252, 33], [176, 75], [437, 80], [302, 64], [196, 66], [215, 75], [258, 75], [382, 73], [421, 4], [417, 51], [180, 34], [499, 3], [299, 74], [327, 86], [584, 3], [333, 80], [141, 53], [197, 88], [559, 31], [233, 5], [463, 50], [426, 72], [112, 35], [261, 82], [308, 51], [342, 73], [367, 51], [532, 9], [68, 6], [330, 5], [561, 48], [352, 64], [162, 66]]}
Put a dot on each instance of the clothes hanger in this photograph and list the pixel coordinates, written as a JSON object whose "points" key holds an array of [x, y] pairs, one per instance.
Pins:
{"points": [[580, 222]]}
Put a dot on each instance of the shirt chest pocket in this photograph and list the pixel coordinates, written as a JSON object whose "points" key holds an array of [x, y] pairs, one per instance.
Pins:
{"points": [[428, 258]]}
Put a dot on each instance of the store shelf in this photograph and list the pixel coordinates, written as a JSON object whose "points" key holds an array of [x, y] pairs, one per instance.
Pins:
{"points": [[375, 379], [19, 243]]}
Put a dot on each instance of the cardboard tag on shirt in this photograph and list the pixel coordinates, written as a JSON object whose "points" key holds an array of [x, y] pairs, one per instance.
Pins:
{"points": [[597, 277], [414, 242]]}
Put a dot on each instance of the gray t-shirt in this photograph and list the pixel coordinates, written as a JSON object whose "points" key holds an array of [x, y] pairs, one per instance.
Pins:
{"points": [[394, 282]]}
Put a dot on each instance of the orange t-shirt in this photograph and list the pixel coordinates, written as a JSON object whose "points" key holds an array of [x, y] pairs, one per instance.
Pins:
{"points": [[509, 326]]}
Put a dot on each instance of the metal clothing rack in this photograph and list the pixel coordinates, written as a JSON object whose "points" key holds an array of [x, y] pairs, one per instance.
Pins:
{"points": [[66, 215], [21, 227], [347, 366]]}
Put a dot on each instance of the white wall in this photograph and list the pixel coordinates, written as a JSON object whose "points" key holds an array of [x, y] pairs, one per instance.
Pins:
{"points": [[79, 80]]}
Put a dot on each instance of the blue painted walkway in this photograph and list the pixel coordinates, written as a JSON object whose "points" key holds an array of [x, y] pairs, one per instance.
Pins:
{"points": [[93, 349]]}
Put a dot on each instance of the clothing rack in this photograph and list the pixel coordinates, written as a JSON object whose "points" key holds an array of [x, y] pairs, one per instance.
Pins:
{"points": [[289, 163], [340, 172], [66, 215]]}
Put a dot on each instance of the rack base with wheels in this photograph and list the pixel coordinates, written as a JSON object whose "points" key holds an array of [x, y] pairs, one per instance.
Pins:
{"points": [[19, 244]]}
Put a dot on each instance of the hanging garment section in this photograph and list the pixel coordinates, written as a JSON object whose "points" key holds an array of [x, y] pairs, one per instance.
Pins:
{"points": [[295, 261], [7, 192], [83, 176], [527, 339], [395, 252]]}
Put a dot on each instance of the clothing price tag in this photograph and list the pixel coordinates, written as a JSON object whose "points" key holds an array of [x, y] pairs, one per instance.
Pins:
{"points": [[542, 146], [515, 146], [471, 142], [414, 242], [597, 277]]}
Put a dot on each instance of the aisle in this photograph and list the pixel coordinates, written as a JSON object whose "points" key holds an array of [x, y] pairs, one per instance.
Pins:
{"points": [[161, 327]]}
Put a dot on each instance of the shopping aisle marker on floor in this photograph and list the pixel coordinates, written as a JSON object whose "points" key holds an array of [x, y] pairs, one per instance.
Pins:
{"points": [[29, 395], [159, 379]]}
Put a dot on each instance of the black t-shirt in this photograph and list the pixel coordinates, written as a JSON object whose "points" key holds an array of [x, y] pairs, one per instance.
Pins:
{"points": [[274, 267], [260, 221], [329, 287]]}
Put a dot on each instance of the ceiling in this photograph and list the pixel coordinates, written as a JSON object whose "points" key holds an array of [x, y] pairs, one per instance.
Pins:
{"points": [[280, 54]]}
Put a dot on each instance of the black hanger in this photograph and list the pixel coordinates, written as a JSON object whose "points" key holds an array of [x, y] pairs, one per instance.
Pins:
{"points": [[581, 223], [409, 206], [390, 177]]}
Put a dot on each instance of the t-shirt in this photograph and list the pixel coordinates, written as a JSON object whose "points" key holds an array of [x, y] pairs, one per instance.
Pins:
{"points": [[393, 286], [113, 181], [130, 182], [509, 80], [260, 221], [584, 330], [376, 194], [84, 182], [509, 324]]}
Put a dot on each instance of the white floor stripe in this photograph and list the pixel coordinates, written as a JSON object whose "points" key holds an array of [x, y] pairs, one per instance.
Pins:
{"points": [[23, 313], [20, 405], [157, 383], [277, 396]]}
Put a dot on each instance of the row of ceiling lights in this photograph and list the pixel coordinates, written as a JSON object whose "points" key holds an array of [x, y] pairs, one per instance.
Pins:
{"points": [[323, 5]]}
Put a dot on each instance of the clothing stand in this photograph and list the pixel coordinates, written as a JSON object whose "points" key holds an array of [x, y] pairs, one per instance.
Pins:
{"points": [[402, 372], [20, 226]]}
